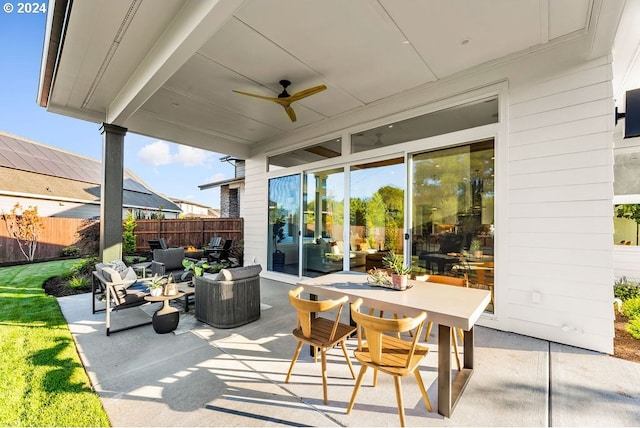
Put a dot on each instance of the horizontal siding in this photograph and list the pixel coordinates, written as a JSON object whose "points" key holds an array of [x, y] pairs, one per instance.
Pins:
{"points": [[626, 262], [560, 223], [254, 212]]}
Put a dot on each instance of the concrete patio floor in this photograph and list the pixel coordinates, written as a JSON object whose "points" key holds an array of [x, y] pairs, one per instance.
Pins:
{"points": [[214, 377]]}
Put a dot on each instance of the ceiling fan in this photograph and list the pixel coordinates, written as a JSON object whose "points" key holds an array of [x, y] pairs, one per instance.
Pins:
{"points": [[285, 100]]}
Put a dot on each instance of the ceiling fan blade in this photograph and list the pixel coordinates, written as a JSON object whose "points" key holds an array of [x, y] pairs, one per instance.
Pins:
{"points": [[290, 113], [263, 97], [306, 93]]}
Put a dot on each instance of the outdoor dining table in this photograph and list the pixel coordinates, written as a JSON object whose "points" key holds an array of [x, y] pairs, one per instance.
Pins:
{"points": [[447, 306]]}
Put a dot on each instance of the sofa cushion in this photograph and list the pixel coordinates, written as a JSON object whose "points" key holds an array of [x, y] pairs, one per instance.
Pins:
{"points": [[111, 275], [233, 274]]}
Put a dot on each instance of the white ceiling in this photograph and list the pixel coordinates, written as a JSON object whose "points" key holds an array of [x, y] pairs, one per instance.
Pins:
{"points": [[167, 69]]}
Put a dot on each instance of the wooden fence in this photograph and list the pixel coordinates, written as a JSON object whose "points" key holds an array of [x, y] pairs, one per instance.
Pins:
{"points": [[188, 232], [59, 233]]}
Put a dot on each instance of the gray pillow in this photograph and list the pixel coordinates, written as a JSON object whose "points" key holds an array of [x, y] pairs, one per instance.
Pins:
{"points": [[111, 275], [239, 273]]}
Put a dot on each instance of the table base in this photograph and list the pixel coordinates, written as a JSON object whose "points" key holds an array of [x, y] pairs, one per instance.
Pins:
{"points": [[165, 320]]}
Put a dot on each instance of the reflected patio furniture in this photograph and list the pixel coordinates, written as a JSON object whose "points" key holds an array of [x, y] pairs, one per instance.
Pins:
{"points": [[319, 332]]}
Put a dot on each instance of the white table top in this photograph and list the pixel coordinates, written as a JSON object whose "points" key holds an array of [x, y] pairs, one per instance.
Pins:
{"points": [[458, 307]]}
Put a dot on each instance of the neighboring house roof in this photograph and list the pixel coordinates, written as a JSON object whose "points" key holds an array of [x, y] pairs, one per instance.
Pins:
{"points": [[30, 168], [184, 204], [221, 183]]}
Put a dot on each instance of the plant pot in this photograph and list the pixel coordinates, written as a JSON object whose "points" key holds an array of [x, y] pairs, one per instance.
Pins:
{"points": [[399, 281], [155, 292], [278, 261]]}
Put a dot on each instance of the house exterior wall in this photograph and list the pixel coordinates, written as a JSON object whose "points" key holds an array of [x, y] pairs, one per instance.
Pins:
{"points": [[559, 282], [554, 178]]}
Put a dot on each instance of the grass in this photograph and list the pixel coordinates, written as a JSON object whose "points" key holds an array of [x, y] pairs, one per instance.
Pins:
{"points": [[42, 381]]}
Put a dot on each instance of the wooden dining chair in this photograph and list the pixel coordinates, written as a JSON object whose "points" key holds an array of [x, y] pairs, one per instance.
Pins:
{"points": [[457, 282], [386, 353], [319, 332]]}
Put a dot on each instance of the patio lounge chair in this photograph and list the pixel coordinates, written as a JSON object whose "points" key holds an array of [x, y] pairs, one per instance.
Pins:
{"points": [[121, 291]]}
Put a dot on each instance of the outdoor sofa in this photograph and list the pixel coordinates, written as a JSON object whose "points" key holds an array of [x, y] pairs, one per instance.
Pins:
{"points": [[230, 298]]}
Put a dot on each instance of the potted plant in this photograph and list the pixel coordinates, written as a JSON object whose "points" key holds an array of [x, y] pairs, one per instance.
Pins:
{"points": [[474, 248], [379, 277], [197, 267], [277, 233], [156, 285], [399, 272]]}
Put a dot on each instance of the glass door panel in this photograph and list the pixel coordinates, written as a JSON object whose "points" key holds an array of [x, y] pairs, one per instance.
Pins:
{"points": [[284, 224], [453, 213], [376, 212], [323, 213]]}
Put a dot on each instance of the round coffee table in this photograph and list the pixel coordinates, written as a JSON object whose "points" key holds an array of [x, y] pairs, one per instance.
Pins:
{"points": [[165, 319]]}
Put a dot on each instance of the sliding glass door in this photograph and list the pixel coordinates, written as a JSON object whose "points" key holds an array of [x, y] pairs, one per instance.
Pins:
{"points": [[376, 212], [453, 213], [284, 224], [323, 248]]}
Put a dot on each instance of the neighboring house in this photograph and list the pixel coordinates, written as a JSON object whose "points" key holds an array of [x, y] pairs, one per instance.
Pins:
{"points": [[192, 209], [491, 122], [231, 190], [64, 184]]}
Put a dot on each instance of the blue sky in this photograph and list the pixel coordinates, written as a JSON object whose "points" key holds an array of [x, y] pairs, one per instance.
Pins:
{"points": [[168, 168]]}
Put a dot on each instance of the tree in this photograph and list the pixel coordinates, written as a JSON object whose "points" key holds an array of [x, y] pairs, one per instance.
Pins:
{"points": [[128, 238], [24, 226]]}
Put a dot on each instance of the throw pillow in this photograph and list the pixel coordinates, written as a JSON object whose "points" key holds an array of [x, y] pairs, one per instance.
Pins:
{"points": [[118, 266]]}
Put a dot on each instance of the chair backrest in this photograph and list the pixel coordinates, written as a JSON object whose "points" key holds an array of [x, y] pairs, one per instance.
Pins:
{"points": [[305, 308], [375, 328], [215, 241], [448, 280], [157, 244], [227, 244]]}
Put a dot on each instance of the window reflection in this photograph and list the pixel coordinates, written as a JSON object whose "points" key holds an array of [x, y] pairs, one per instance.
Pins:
{"points": [[453, 213]]}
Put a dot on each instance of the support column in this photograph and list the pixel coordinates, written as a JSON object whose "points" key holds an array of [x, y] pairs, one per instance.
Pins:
{"points": [[111, 192]]}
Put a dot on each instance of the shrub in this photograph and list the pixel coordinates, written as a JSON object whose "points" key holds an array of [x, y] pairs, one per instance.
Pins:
{"points": [[633, 327], [78, 281], [625, 289], [70, 251], [631, 308], [85, 266]]}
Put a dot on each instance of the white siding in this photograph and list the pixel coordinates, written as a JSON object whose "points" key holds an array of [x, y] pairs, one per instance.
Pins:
{"points": [[554, 181], [254, 211], [559, 275], [626, 262]]}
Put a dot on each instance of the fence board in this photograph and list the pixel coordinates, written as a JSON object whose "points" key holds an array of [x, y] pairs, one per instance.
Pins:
{"points": [[59, 233]]}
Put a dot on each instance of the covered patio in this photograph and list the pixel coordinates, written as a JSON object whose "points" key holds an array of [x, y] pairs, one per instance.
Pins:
{"points": [[212, 377]]}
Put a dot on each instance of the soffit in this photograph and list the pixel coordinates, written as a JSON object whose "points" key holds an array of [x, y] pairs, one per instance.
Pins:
{"points": [[364, 51]]}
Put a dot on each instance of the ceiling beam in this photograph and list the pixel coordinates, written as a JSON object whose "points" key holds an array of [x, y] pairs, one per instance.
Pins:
{"points": [[196, 23]]}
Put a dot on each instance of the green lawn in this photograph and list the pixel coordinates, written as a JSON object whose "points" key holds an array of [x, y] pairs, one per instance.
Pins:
{"points": [[42, 381]]}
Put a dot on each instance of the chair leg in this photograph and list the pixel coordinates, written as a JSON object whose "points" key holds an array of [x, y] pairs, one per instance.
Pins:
{"points": [[363, 369], [455, 346], [323, 352], [423, 390], [346, 357], [428, 332], [375, 377], [398, 385], [293, 361]]}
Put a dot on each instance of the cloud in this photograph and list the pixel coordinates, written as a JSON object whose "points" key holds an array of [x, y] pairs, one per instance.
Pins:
{"points": [[191, 156], [159, 153], [216, 177]]}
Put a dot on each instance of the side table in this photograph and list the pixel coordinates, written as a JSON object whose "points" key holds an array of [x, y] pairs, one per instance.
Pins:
{"points": [[165, 319], [141, 268]]}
